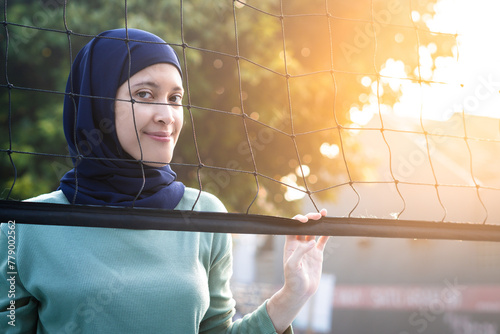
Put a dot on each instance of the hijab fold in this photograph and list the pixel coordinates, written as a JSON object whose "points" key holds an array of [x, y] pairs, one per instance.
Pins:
{"points": [[103, 173]]}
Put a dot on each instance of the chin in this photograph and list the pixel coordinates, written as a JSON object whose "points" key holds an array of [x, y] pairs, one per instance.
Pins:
{"points": [[156, 165]]}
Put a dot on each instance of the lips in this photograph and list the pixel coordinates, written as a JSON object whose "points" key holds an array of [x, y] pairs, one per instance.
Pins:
{"points": [[162, 136]]}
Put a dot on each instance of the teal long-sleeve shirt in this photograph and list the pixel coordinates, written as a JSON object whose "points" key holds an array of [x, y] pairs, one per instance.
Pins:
{"points": [[101, 280]]}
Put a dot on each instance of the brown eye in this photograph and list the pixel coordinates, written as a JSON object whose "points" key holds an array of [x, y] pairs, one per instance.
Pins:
{"points": [[144, 95], [176, 99]]}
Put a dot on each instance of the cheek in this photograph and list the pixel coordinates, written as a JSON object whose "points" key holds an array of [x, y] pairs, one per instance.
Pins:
{"points": [[124, 114], [124, 123], [179, 121]]}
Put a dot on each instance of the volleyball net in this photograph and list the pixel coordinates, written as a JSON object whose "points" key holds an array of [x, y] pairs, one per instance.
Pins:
{"points": [[384, 112]]}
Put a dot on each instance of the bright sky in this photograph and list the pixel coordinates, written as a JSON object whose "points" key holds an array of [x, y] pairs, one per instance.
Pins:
{"points": [[473, 82]]}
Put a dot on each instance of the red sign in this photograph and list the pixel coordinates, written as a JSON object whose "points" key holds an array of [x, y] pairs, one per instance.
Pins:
{"points": [[451, 296]]}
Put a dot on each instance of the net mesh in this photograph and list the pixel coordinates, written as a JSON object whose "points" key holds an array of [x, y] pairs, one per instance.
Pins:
{"points": [[376, 109]]}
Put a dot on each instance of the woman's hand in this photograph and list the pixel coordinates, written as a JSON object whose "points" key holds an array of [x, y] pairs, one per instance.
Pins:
{"points": [[302, 262]]}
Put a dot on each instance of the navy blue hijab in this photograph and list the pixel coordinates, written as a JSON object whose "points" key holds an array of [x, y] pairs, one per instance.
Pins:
{"points": [[101, 175]]}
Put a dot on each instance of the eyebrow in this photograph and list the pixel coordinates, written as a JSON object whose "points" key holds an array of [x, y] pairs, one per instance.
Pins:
{"points": [[155, 85]]}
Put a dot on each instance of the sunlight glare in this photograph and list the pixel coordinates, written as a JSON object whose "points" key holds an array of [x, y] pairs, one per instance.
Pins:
{"points": [[366, 81], [295, 193], [468, 81], [329, 151], [392, 70], [361, 117], [303, 172], [415, 16]]}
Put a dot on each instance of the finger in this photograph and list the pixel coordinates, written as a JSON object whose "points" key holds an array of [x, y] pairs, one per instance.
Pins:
{"points": [[311, 215], [314, 215], [323, 212], [301, 218], [300, 237], [292, 239], [299, 252], [322, 242], [289, 246], [310, 237]]}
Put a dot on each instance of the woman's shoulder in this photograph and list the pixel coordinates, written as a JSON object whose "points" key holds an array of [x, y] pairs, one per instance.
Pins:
{"points": [[56, 197], [201, 200]]}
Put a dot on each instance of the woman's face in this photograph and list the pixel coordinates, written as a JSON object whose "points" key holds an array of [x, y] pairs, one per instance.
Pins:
{"points": [[157, 92]]}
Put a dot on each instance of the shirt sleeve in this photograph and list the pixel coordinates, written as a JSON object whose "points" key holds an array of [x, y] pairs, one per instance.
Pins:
{"points": [[218, 318], [18, 309]]}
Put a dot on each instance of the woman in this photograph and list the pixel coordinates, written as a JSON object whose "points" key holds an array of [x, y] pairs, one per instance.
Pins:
{"points": [[122, 119]]}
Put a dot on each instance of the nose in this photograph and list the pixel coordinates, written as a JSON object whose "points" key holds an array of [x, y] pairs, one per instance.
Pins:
{"points": [[164, 113]]}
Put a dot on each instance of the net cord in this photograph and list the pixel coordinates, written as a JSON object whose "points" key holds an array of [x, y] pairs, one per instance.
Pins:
{"points": [[379, 109], [193, 221]]}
